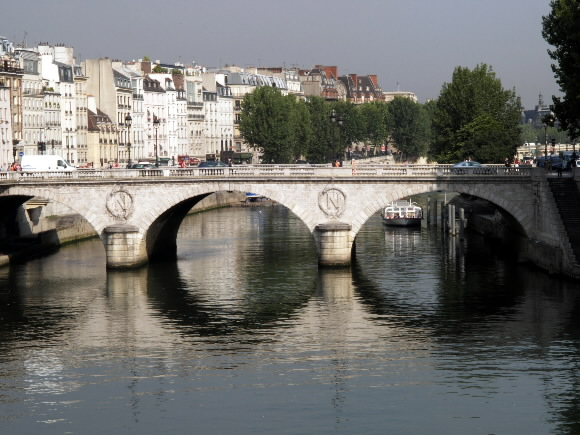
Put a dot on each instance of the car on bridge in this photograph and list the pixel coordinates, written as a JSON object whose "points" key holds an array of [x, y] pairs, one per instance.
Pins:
{"points": [[553, 161], [467, 164], [212, 164], [142, 166], [465, 167]]}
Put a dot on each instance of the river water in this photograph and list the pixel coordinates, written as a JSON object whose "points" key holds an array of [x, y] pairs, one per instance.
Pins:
{"points": [[245, 335]]}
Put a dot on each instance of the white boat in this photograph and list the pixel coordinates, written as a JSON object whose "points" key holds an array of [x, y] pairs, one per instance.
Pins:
{"points": [[402, 213]]}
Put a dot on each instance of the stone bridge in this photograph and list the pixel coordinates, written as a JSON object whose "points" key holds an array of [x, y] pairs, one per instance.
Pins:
{"points": [[137, 213]]}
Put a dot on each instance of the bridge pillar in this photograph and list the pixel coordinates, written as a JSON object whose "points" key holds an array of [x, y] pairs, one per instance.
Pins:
{"points": [[334, 244], [124, 246]]}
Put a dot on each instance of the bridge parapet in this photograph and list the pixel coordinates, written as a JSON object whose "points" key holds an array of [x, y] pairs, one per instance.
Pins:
{"points": [[275, 171]]}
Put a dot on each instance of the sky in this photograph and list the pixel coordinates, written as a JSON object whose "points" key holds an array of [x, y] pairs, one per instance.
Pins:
{"points": [[411, 45]]}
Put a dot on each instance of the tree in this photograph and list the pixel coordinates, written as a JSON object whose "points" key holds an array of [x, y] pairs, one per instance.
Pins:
{"points": [[409, 127], [351, 130], [374, 122], [323, 144], [263, 123], [160, 69], [303, 128], [475, 116], [561, 29], [277, 125]]}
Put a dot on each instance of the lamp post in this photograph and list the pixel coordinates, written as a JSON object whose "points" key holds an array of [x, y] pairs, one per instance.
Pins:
{"points": [[337, 120], [120, 129], [549, 120], [545, 140], [156, 127], [128, 121], [15, 142]]}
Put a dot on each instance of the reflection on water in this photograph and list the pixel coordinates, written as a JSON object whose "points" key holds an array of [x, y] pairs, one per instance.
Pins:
{"points": [[244, 334]]}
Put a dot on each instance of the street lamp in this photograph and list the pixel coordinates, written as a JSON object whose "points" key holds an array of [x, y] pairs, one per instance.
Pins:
{"points": [[548, 120], [15, 142], [128, 121], [337, 120], [156, 127], [120, 130], [545, 140]]}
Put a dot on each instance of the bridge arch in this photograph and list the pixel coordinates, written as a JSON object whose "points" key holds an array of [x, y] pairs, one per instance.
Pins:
{"points": [[514, 203]]}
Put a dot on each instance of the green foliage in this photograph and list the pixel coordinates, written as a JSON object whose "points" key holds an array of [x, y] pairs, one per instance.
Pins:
{"points": [[410, 127], [277, 125], [303, 129], [352, 128], [530, 134], [483, 140], [561, 29], [160, 70], [475, 116], [285, 129], [374, 116], [324, 141]]}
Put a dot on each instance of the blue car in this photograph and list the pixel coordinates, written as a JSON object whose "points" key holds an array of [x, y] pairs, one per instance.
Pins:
{"points": [[212, 164], [467, 164]]}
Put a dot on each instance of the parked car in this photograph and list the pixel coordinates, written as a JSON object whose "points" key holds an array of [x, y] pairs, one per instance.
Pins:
{"points": [[562, 165], [142, 166], [554, 160], [467, 164], [31, 163], [212, 164]]}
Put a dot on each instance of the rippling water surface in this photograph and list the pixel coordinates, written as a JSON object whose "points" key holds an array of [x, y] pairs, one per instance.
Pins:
{"points": [[244, 334]]}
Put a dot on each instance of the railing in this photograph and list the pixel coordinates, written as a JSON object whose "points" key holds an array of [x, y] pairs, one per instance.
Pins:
{"points": [[277, 171]]}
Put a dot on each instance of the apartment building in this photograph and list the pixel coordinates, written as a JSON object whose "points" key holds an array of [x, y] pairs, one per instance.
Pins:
{"points": [[7, 151], [102, 137], [243, 81], [11, 74], [195, 115], [322, 81], [220, 124], [362, 89]]}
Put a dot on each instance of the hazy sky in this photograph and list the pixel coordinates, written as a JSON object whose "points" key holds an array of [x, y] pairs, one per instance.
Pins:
{"points": [[411, 45]]}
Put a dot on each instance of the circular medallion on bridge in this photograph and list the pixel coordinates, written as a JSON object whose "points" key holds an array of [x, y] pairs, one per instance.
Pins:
{"points": [[120, 203], [332, 202]]}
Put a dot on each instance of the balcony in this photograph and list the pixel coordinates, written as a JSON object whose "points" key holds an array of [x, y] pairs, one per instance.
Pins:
{"points": [[11, 69]]}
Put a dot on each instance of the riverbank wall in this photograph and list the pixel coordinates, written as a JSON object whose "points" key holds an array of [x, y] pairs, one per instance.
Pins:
{"points": [[219, 200]]}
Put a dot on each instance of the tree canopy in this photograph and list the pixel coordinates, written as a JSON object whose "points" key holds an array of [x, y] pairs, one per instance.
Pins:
{"points": [[277, 125], [410, 127], [561, 29], [474, 116], [285, 129]]}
